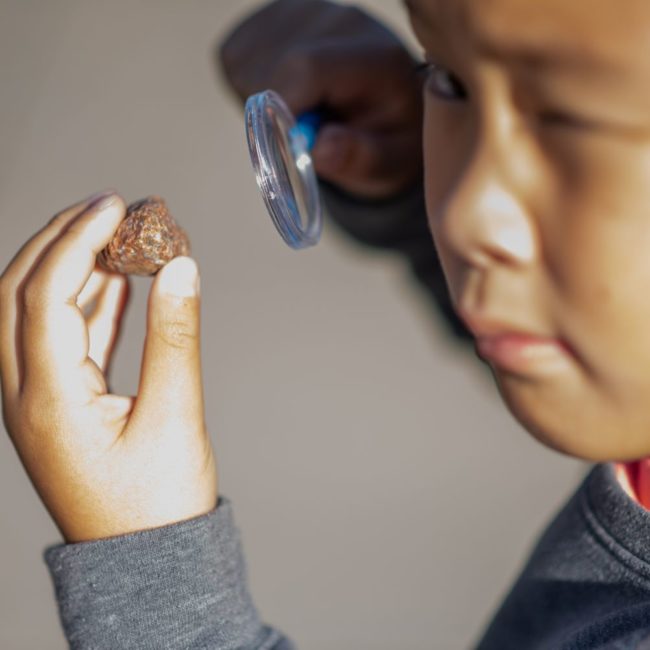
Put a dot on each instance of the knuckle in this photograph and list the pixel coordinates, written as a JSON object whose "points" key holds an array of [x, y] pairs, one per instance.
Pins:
{"points": [[178, 333]]}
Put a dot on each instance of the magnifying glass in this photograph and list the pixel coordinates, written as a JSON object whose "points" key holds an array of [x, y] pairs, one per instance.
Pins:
{"points": [[279, 146]]}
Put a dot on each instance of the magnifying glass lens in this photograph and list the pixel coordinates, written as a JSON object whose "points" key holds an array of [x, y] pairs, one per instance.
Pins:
{"points": [[279, 148]]}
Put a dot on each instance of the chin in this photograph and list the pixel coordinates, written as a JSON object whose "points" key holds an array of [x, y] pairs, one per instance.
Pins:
{"points": [[551, 416]]}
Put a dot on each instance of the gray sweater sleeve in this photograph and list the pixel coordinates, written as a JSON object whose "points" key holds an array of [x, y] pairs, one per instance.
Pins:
{"points": [[181, 586]]}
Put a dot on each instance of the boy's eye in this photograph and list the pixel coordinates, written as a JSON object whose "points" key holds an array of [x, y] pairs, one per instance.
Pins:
{"points": [[441, 82]]}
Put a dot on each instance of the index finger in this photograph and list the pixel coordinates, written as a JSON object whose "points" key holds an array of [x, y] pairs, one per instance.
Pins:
{"points": [[55, 335], [10, 286]]}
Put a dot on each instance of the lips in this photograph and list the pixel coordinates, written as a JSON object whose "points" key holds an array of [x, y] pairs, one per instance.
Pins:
{"points": [[513, 348]]}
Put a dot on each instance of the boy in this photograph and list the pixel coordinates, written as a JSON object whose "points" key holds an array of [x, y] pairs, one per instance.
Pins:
{"points": [[536, 147]]}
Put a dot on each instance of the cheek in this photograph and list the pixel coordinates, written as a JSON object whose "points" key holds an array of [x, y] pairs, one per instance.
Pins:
{"points": [[597, 260]]}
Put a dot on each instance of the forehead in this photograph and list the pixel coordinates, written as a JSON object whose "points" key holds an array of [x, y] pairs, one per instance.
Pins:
{"points": [[615, 32]]}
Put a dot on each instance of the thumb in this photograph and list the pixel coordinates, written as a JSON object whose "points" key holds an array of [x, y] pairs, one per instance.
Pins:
{"points": [[170, 392]]}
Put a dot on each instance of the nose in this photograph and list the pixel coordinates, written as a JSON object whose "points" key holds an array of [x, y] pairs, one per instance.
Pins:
{"points": [[484, 218]]}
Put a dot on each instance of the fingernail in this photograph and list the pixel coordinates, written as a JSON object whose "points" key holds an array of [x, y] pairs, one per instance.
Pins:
{"points": [[103, 202], [97, 199], [180, 277]]}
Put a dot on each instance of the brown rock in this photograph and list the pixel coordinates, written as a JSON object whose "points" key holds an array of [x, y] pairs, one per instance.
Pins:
{"points": [[145, 241]]}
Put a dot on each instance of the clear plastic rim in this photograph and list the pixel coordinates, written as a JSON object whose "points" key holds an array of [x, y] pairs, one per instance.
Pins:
{"points": [[278, 196]]}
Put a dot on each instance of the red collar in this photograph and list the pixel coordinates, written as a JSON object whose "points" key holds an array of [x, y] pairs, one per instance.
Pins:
{"points": [[634, 479]]}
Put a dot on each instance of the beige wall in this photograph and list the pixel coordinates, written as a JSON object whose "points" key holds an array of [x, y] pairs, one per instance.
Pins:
{"points": [[385, 496]]}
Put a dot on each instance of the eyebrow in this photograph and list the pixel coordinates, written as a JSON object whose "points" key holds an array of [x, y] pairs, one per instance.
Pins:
{"points": [[538, 55], [548, 55]]}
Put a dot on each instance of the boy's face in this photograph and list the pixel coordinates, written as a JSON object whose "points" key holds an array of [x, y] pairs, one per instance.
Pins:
{"points": [[537, 154]]}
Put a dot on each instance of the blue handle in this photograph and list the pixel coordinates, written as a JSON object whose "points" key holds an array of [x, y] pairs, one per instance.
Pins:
{"points": [[307, 125]]}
